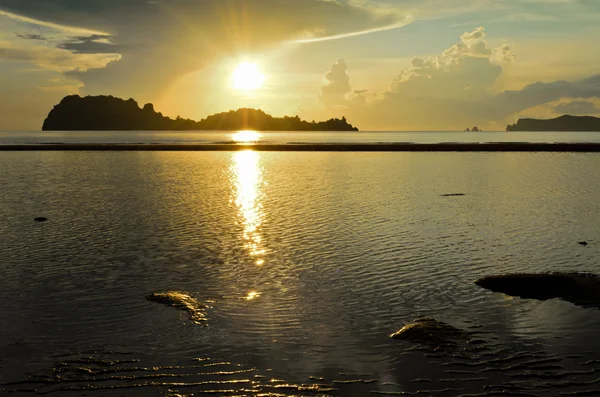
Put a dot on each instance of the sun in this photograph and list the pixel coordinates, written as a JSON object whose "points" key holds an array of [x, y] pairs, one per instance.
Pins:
{"points": [[247, 76]]}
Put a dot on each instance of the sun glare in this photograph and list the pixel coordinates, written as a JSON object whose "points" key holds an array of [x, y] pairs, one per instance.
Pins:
{"points": [[247, 76], [246, 136]]}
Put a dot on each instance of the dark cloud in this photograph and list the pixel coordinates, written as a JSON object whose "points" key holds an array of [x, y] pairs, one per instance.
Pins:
{"points": [[540, 93], [576, 108], [94, 44], [29, 36]]}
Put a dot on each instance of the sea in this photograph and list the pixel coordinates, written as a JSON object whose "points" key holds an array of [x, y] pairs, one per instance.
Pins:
{"points": [[301, 263]]}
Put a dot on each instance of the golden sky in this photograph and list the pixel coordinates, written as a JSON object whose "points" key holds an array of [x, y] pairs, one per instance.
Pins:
{"points": [[384, 64]]}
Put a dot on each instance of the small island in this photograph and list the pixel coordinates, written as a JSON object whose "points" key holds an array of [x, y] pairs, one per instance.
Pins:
{"points": [[562, 123], [107, 113]]}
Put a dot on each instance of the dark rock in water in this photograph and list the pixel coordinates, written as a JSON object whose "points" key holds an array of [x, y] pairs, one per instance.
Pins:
{"points": [[453, 195], [584, 243], [41, 219], [581, 289], [433, 333], [181, 301]]}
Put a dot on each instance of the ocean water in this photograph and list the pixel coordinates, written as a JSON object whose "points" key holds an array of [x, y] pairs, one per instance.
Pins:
{"points": [[192, 137], [306, 263]]}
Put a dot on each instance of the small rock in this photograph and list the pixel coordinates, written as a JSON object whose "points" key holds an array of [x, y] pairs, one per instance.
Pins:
{"points": [[453, 195], [41, 219], [584, 243], [182, 301], [582, 289], [428, 331]]}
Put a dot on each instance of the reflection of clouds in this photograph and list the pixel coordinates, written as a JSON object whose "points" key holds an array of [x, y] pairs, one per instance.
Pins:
{"points": [[247, 177]]}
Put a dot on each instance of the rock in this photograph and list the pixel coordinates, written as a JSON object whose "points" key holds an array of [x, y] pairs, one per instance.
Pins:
{"points": [[584, 243], [41, 219], [475, 129], [181, 301], [453, 195], [582, 289], [433, 333]]}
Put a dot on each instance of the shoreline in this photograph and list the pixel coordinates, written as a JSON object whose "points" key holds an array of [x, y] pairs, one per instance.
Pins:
{"points": [[318, 147]]}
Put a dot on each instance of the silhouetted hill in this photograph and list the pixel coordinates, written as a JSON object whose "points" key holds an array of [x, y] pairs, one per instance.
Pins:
{"points": [[107, 113], [562, 123]]}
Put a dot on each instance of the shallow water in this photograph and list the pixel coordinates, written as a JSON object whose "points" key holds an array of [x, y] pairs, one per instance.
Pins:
{"points": [[306, 263], [204, 137]]}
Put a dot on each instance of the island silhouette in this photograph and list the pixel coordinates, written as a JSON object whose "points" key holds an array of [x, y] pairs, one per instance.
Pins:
{"points": [[562, 123], [108, 113]]}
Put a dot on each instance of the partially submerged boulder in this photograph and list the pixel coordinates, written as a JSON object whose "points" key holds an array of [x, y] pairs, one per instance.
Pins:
{"points": [[40, 219], [180, 300], [433, 333], [582, 289]]}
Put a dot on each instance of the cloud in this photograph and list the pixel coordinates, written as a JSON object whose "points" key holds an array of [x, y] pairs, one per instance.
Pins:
{"points": [[338, 84], [57, 60], [94, 44], [54, 50], [31, 36], [469, 67], [452, 90], [577, 107], [46, 24], [514, 101], [346, 35], [160, 41]]}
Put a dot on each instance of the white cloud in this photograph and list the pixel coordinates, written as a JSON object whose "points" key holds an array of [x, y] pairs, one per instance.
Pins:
{"points": [[452, 90], [56, 59], [338, 84], [66, 29]]}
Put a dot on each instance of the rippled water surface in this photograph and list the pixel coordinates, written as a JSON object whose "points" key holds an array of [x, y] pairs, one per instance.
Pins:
{"points": [[301, 263]]}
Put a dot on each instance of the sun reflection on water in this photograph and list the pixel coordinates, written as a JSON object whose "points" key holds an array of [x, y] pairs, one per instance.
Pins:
{"points": [[247, 174], [252, 295], [246, 136]]}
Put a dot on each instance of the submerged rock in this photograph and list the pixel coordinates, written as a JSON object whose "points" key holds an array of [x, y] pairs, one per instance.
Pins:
{"points": [[181, 301], [41, 219], [453, 194], [584, 243], [582, 289], [433, 333]]}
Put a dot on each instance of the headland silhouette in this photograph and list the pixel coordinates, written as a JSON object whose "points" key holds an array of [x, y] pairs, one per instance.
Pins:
{"points": [[108, 113], [562, 123]]}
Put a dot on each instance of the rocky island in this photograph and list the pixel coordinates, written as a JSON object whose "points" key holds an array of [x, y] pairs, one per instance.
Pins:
{"points": [[107, 113], [562, 123]]}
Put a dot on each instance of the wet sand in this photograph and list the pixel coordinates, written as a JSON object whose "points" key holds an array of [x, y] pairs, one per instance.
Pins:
{"points": [[321, 147]]}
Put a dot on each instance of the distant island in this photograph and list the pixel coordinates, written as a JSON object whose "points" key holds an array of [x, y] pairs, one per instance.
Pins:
{"points": [[475, 129], [562, 123], [107, 113]]}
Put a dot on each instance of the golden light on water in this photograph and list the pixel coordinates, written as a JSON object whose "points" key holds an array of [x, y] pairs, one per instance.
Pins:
{"points": [[246, 136], [247, 76], [247, 173], [252, 295]]}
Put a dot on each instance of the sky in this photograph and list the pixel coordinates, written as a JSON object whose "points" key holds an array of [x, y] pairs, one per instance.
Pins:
{"points": [[401, 65]]}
